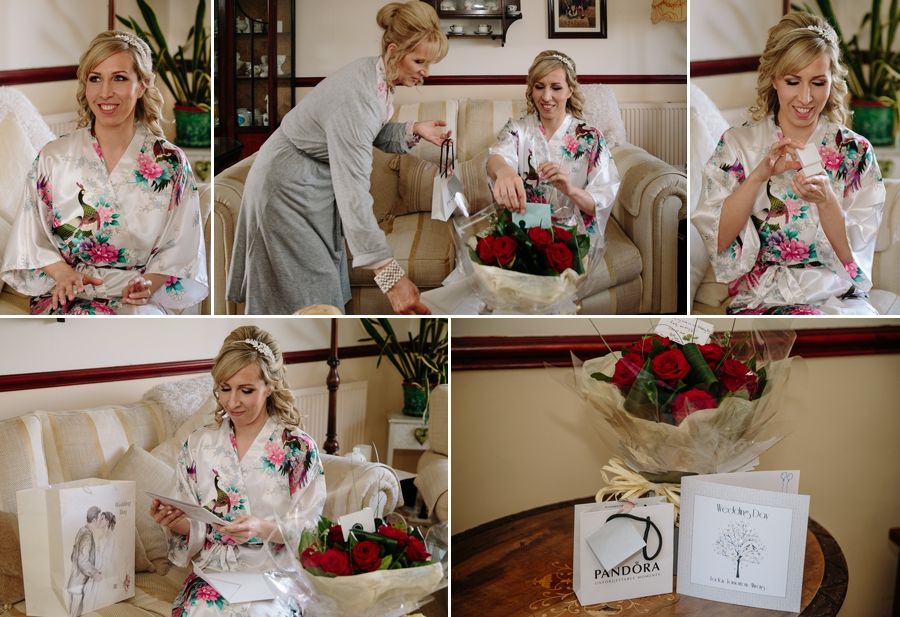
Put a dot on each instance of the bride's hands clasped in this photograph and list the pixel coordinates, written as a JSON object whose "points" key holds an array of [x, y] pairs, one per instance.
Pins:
{"points": [[776, 162]]}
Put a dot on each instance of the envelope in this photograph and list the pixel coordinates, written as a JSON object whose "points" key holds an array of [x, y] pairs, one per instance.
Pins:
{"points": [[237, 587], [536, 215], [191, 510]]}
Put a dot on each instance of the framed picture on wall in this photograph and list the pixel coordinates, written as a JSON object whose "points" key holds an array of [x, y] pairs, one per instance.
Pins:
{"points": [[577, 19]]}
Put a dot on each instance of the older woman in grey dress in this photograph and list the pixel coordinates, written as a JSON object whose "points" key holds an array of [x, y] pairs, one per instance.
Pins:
{"points": [[309, 185]]}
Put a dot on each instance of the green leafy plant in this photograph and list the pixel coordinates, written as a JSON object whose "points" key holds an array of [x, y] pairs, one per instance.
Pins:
{"points": [[187, 79], [882, 79], [422, 360]]}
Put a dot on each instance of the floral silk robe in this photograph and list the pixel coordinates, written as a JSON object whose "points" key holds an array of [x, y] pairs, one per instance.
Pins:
{"points": [[143, 218], [279, 471], [579, 148], [782, 262]]}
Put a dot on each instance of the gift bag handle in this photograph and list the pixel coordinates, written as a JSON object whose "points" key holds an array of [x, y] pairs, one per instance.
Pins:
{"points": [[649, 524], [445, 167]]}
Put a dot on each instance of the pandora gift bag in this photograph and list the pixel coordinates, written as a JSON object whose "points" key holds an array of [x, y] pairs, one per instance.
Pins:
{"points": [[77, 541], [623, 551]]}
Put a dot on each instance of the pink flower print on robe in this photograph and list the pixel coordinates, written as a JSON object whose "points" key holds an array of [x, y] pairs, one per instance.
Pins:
{"points": [[794, 250], [570, 144], [104, 254], [274, 453], [149, 169], [831, 159], [792, 207]]}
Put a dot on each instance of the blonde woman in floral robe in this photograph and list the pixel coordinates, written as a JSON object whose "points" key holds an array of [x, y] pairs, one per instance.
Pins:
{"points": [[249, 467], [110, 219], [785, 243]]}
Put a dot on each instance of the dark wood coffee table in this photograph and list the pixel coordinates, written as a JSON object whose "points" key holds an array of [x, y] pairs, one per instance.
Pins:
{"points": [[521, 565]]}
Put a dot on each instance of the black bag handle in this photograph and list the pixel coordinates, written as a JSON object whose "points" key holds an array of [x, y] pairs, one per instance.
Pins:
{"points": [[649, 524], [446, 166]]}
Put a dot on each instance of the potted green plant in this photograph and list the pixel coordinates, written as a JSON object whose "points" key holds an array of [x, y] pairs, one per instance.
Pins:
{"points": [[873, 90], [187, 79], [422, 361]]}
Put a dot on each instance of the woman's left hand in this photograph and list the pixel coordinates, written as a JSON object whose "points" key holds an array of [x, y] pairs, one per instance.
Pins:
{"points": [[815, 189], [243, 528], [430, 131], [137, 291], [555, 174]]}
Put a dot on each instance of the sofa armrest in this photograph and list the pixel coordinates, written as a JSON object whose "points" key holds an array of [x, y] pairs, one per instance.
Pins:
{"points": [[652, 199], [886, 267], [352, 486], [229, 190]]}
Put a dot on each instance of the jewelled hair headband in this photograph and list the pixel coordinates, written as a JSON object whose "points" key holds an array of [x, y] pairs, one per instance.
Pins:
{"points": [[826, 33], [261, 348], [564, 60]]}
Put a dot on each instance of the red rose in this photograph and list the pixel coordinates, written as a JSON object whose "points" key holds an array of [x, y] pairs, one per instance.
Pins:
{"points": [[415, 551], [670, 367], [393, 533], [562, 235], [559, 257], [644, 347], [336, 534], [688, 402], [505, 249], [335, 561], [367, 556], [541, 237], [738, 376], [311, 558], [713, 353], [627, 369], [485, 250]]}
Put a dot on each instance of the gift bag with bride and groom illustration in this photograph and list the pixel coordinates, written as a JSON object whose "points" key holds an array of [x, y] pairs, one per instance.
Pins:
{"points": [[77, 541]]}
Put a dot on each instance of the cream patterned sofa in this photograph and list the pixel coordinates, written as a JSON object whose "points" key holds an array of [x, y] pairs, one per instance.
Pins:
{"points": [[432, 472], [709, 297], [642, 266], [137, 441], [22, 134]]}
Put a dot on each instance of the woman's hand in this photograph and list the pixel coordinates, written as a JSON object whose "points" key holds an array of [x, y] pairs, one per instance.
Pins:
{"points": [[137, 291], [509, 190], [244, 528], [429, 131], [775, 163], [557, 175], [69, 282], [815, 189], [404, 297], [170, 517]]}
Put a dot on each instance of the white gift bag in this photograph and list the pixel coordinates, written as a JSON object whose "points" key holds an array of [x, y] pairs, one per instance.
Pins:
{"points": [[636, 576], [77, 541]]}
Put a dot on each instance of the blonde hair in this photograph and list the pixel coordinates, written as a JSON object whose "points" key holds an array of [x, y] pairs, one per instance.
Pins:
{"points": [[792, 45], [406, 25], [544, 63], [236, 353], [148, 109]]}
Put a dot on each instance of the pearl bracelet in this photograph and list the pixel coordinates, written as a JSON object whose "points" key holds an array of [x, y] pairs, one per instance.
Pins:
{"points": [[388, 277]]}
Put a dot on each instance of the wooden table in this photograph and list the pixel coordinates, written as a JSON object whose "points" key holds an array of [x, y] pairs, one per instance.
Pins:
{"points": [[521, 566]]}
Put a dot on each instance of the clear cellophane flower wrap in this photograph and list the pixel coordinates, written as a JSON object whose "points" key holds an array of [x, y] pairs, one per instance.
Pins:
{"points": [[726, 438], [384, 593], [508, 290]]}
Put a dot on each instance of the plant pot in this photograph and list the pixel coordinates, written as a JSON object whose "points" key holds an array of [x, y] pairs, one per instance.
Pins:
{"points": [[874, 121], [415, 398], [193, 127]]}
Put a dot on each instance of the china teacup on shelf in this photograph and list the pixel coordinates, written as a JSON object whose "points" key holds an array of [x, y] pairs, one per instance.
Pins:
{"points": [[484, 28]]}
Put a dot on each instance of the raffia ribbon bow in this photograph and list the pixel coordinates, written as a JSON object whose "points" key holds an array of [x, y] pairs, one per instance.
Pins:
{"points": [[627, 484]]}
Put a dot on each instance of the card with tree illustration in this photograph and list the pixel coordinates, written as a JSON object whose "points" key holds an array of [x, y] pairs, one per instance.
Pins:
{"points": [[743, 539]]}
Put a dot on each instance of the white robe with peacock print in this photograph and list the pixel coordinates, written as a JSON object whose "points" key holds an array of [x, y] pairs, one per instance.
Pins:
{"points": [[143, 218], [281, 470]]}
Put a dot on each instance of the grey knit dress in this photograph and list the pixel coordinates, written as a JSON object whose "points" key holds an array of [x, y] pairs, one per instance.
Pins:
{"points": [[307, 190]]}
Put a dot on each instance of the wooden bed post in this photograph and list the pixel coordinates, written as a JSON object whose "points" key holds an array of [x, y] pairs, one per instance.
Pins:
{"points": [[333, 381]]}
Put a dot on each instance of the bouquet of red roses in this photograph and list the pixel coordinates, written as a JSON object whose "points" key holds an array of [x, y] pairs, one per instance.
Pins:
{"points": [[517, 268], [687, 408]]}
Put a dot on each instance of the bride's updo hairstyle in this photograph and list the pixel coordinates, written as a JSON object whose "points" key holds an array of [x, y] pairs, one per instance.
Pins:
{"points": [[251, 345], [546, 62], [406, 24], [794, 43]]}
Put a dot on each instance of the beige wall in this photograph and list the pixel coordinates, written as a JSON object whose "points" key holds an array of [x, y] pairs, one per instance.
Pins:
{"points": [[520, 440], [38, 345]]}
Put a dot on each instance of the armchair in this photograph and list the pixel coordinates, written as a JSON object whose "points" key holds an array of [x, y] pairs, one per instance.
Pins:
{"points": [[432, 470]]}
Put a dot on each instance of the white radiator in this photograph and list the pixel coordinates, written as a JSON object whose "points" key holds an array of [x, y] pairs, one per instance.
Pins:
{"points": [[351, 414], [658, 128], [62, 123]]}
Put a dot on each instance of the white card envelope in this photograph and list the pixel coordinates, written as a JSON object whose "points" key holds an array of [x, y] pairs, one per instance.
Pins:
{"points": [[810, 160], [785, 481], [191, 510], [536, 215], [237, 587], [363, 519], [615, 542], [684, 330]]}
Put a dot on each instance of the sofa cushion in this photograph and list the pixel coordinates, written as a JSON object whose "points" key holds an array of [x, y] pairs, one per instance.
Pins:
{"points": [[383, 183], [12, 583], [602, 111], [415, 189], [432, 475], [182, 398], [421, 245], [438, 421], [149, 474], [21, 459], [169, 450], [16, 156], [89, 443], [480, 122], [436, 110]]}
